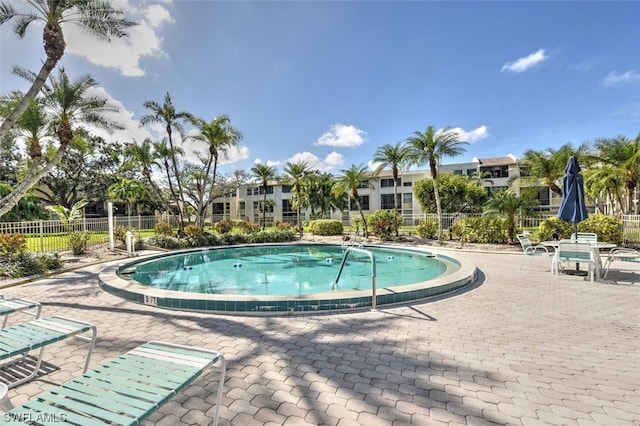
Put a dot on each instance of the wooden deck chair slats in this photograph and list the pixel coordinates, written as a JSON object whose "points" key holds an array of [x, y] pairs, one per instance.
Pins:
{"points": [[13, 305], [18, 340], [128, 389]]}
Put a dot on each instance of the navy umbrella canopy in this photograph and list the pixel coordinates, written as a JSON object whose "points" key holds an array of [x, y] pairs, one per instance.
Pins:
{"points": [[572, 207]]}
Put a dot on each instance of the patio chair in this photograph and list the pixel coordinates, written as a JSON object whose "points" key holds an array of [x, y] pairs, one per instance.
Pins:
{"points": [[18, 340], [529, 250], [571, 251], [585, 236], [127, 389], [621, 254], [10, 306]]}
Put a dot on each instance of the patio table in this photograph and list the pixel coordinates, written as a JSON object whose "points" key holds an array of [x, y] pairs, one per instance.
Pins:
{"points": [[595, 251]]}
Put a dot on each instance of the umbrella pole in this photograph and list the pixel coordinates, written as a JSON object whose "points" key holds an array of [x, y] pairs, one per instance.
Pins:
{"points": [[575, 232]]}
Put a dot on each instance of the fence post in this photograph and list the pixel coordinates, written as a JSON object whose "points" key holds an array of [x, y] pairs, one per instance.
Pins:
{"points": [[41, 236]]}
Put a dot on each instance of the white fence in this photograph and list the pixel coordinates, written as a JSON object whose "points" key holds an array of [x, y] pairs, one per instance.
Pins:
{"points": [[50, 235]]}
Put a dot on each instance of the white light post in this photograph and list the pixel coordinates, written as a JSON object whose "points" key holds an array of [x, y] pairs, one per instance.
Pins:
{"points": [[112, 246]]}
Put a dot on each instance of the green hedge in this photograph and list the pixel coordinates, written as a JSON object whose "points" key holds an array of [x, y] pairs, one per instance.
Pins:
{"points": [[485, 230], [325, 227]]}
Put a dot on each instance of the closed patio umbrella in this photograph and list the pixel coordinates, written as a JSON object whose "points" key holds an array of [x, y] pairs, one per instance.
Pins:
{"points": [[572, 207]]}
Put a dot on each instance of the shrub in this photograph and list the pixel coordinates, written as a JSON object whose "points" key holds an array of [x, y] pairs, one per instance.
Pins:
{"points": [[26, 264], [120, 233], [165, 242], [232, 239], [271, 236], [11, 244], [193, 231], [384, 223], [554, 227], [248, 227], [223, 226], [163, 228], [326, 227], [485, 230], [428, 228], [78, 242], [608, 228], [284, 226]]}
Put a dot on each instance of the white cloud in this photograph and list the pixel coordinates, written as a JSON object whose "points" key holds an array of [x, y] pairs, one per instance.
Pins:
{"points": [[193, 148], [373, 165], [123, 54], [525, 63], [613, 79], [313, 161], [471, 136], [342, 136], [132, 130]]}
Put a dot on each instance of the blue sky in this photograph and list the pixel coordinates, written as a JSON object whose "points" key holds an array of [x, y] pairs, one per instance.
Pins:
{"points": [[328, 82]]}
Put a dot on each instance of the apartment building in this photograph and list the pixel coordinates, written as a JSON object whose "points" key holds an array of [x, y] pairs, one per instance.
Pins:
{"points": [[496, 174]]}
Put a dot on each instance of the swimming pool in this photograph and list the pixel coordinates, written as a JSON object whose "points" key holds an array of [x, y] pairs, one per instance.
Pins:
{"points": [[285, 278]]}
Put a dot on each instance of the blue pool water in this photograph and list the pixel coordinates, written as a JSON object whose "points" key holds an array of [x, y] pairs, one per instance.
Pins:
{"points": [[286, 270]]}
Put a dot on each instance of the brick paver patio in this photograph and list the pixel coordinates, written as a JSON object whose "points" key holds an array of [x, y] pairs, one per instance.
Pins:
{"points": [[521, 348]]}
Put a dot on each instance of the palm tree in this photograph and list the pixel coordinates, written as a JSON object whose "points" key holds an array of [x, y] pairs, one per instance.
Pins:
{"points": [[623, 154], [431, 147], [605, 183], [69, 105], [350, 180], [264, 174], [319, 187], [394, 156], [219, 135], [68, 216], [295, 174], [167, 115], [128, 190], [32, 125], [96, 17], [547, 166], [143, 155], [508, 204]]}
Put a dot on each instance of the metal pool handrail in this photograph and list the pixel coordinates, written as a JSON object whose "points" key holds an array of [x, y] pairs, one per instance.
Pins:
{"points": [[373, 272]]}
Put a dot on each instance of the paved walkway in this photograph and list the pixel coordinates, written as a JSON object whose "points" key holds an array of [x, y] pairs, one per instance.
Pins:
{"points": [[522, 348]]}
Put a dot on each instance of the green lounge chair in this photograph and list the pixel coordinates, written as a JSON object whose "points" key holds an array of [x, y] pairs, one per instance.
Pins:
{"points": [[18, 340], [10, 306], [125, 390]]}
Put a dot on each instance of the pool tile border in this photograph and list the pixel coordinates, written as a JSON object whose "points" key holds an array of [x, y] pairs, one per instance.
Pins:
{"points": [[109, 281]]}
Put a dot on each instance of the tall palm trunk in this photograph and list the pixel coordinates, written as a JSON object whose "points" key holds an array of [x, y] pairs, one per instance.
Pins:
{"points": [[264, 207], [54, 46], [35, 174], [180, 195], [436, 194]]}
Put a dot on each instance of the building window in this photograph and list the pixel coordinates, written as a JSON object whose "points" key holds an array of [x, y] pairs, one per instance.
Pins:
{"points": [[257, 206], [496, 172], [457, 172], [286, 189], [470, 172], [364, 185], [544, 196], [364, 203], [269, 190], [288, 214], [407, 201], [387, 182], [407, 183], [386, 202]]}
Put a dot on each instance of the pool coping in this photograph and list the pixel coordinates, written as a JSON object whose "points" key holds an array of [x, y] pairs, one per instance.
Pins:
{"points": [[346, 300]]}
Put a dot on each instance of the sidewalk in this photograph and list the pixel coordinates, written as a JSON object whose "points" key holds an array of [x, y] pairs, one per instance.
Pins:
{"points": [[522, 348]]}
